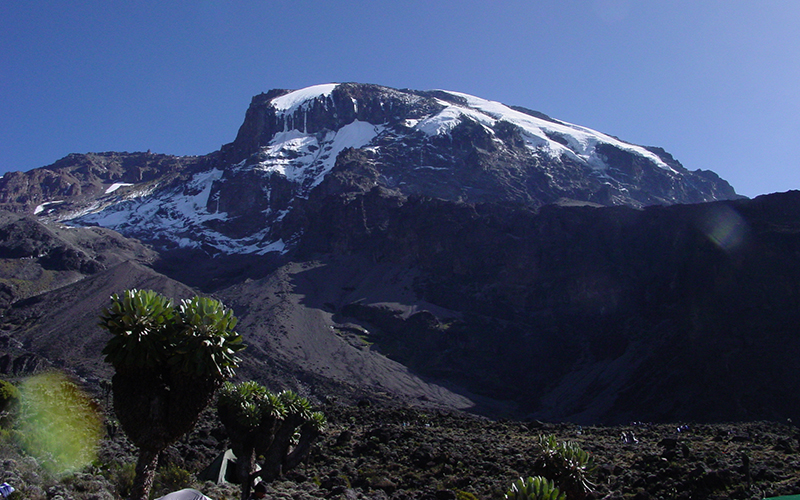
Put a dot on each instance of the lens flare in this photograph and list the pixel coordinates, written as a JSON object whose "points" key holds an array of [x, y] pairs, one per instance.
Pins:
{"points": [[725, 228], [59, 424]]}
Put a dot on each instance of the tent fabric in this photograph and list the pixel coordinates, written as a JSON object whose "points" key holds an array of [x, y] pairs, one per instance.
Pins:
{"points": [[184, 494], [221, 470], [788, 497]]}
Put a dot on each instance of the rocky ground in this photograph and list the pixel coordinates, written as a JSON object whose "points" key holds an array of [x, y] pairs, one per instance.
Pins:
{"points": [[378, 452], [403, 453], [395, 452]]}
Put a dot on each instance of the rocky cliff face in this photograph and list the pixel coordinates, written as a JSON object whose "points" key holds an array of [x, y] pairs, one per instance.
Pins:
{"points": [[592, 314], [608, 314], [79, 183]]}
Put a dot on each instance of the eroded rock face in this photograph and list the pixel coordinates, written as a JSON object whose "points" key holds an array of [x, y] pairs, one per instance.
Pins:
{"points": [[38, 256], [457, 147], [590, 314]]}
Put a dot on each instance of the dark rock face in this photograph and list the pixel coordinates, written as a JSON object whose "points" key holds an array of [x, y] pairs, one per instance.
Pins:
{"points": [[15, 361], [479, 164], [346, 103], [589, 314], [471, 162], [37, 257], [613, 314]]}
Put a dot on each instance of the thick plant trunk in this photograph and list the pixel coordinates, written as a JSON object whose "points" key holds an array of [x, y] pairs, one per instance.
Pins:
{"points": [[307, 437], [245, 464], [274, 457], [145, 474]]}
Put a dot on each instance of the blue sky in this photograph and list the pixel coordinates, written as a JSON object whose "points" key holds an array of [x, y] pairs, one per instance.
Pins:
{"points": [[715, 83]]}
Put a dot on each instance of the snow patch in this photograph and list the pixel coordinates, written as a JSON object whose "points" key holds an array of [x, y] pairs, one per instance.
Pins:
{"points": [[307, 158], [176, 210], [116, 186], [40, 208], [538, 133], [290, 102], [441, 124], [581, 141], [177, 216]]}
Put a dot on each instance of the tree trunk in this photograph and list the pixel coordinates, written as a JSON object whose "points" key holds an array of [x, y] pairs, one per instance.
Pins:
{"points": [[145, 474], [308, 434], [279, 448], [245, 464]]}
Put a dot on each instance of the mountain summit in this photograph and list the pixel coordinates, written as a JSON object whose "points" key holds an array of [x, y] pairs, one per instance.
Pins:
{"points": [[295, 148], [432, 247]]}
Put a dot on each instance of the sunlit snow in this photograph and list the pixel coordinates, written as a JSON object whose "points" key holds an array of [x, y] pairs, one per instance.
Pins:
{"points": [[291, 101], [442, 123], [176, 210], [581, 141], [181, 215], [40, 208], [299, 156], [116, 186]]}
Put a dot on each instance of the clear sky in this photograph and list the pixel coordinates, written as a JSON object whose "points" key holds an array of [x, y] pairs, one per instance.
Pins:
{"points": [[714, 82]]}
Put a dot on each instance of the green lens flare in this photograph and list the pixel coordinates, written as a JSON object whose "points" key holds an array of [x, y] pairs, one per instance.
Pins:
{"points": [[59, 424]]}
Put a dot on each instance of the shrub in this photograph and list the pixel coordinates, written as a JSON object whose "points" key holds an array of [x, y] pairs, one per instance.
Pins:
{"points": [[567, 465], [280, 427], [168, 361], [9, 395], [121, 475], [172, 477], [465, 495], [534, 488]]}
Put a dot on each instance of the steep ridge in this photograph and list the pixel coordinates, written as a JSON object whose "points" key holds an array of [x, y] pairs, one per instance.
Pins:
{"points": [[593, 315], [285, 324], [36, 257], [62, 325], [80, 183]]}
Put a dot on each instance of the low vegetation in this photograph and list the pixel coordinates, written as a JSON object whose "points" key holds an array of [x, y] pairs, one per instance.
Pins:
{"points": [[169, 361], [534, 488], [279, 428], [394, 452]]}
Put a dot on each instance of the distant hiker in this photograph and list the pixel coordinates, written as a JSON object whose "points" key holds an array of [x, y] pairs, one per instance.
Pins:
{"points": [[259, 491]]}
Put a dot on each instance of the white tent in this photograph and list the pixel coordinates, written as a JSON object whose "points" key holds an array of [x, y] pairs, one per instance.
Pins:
{"points": [[184, 494], [223, 469]]}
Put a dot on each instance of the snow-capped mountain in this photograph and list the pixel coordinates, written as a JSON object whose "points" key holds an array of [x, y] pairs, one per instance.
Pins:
{"points": [[432, 251], [295, 148]]}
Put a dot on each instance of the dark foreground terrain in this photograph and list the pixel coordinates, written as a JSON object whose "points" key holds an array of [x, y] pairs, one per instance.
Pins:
{"points": [[392, 452], [404, 453]]}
